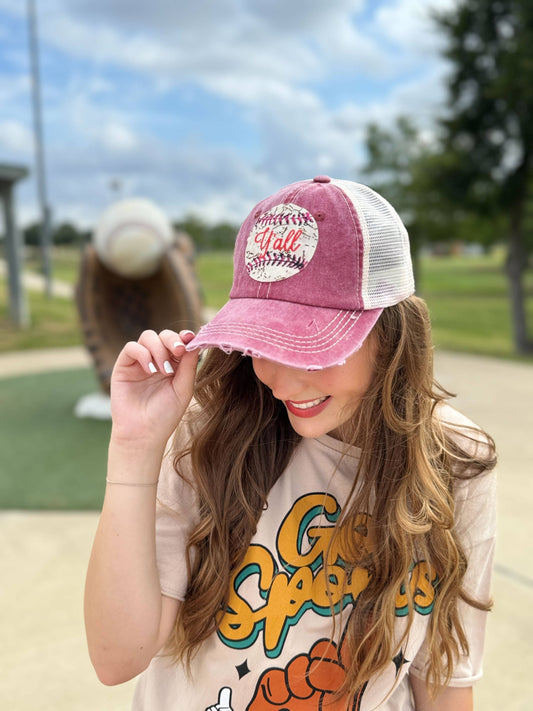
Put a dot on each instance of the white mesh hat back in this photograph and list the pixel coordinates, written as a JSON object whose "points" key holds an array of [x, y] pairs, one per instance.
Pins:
{"points": [[387, 269]]}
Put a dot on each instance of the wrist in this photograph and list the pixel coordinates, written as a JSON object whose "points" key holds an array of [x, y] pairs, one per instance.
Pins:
{"points": [[124, 440], [133, 461]]}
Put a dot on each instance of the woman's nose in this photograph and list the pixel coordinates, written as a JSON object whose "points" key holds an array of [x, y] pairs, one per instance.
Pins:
{"points": [[282, 380]]}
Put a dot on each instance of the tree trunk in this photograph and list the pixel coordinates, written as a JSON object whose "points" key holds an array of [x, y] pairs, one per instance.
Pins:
{"points": [[515, 267]]}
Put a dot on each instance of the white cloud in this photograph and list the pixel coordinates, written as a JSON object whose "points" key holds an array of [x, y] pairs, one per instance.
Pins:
{"points": [[421, 98], [15, 138], [332, 27], [13, 88], [209, 40], [302, 15], [118, 137], [410, 25], [206, 55], [213, 183], [99, 85]]}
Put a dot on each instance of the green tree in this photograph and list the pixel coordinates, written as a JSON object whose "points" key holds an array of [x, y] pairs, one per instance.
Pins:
{"points": [[220, 236], [197, 230], [64, 234], [409, 171], [223, 236], [32, 234], [67, 234], [488, 130]]}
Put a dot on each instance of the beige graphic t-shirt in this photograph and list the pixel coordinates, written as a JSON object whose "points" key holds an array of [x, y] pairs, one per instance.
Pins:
{"points": [[273, 649]]}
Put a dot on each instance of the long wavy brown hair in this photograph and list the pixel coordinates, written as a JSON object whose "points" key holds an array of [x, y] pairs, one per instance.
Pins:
{"points": [[409, 463]]}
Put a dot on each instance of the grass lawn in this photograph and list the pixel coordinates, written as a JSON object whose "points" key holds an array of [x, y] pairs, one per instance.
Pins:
{"points": [[215, 272], [65, 266], [54, 323], [469, 306], [50, 459]]}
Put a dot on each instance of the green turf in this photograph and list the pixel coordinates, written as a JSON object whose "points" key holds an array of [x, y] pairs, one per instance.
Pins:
{"points": [[49, 459], [65, 264], [469, 305], [54, 323], [215, 272]]}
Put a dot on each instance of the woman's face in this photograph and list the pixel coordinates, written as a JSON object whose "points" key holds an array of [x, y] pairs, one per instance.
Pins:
{"points": [[320, 401]]}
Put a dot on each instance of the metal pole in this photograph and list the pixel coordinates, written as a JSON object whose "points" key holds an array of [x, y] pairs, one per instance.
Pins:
{"points": [[18, 306], [46, 213]]}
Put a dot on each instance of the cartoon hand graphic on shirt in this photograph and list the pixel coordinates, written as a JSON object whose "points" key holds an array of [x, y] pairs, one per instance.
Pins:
{"points": [[306, 683], [224, 701]]}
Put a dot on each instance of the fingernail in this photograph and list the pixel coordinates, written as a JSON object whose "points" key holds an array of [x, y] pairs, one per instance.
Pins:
{"points": [[179, 343], [187, 335], [152, 368], [168, 368]]}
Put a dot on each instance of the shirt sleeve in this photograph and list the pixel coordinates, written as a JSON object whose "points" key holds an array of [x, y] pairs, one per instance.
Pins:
{"points": [[176, 515], [475, 524]]}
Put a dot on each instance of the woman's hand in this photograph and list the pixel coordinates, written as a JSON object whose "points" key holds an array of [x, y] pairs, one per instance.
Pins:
{"points": [[151, 386]]}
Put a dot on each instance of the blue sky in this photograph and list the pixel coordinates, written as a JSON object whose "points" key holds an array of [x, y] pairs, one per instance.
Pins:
{"points": [[207, 106]]}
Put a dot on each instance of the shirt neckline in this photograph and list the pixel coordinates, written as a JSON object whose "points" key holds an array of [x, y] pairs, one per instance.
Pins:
{"points": [[338, 446]]}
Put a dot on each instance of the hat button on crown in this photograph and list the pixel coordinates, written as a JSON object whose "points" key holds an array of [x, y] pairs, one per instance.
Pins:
{"points": [[322, 179]]}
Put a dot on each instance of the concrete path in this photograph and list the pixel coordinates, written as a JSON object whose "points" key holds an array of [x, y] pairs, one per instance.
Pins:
{"points": [[36, 282], [41, 361], [43, 557], [498, 395]]}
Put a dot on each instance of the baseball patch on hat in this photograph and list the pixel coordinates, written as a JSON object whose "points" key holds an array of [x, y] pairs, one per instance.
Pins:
{"points": [[281, 243]]}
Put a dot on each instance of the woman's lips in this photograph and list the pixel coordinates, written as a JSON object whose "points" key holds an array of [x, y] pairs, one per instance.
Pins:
{"points": [[307, 408]]}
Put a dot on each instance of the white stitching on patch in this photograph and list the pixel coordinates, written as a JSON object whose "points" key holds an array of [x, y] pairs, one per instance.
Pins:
{"points": [[276, 260]]}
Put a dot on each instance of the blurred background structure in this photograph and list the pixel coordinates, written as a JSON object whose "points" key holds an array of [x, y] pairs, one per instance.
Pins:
{"points": [[205, 108], [18, 311], [45, 227]]}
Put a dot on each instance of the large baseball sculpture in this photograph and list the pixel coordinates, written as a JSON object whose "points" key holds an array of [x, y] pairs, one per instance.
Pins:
{"points": [[136, 275]]}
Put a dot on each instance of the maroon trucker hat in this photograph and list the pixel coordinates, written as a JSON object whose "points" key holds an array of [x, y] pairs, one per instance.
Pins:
{"points": [[313, 268]]}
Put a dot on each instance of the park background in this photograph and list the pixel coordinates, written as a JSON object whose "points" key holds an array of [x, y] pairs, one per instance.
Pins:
{"points": [[205, 110]]}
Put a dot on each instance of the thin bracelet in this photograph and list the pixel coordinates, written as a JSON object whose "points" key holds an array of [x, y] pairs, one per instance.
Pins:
{"points": [[130, 483]]}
